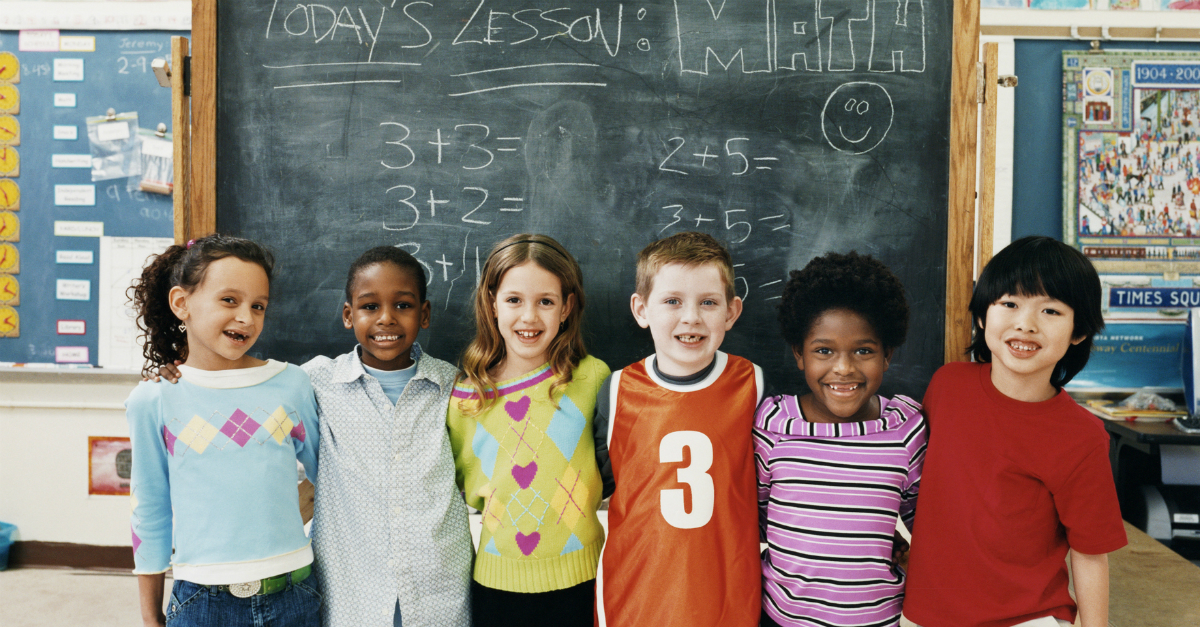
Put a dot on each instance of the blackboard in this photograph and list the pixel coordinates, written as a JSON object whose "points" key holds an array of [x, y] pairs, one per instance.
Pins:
{"points": [[785, 130], [117, 75]]}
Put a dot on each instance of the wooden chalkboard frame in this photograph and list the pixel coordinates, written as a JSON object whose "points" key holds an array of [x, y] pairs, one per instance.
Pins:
{"points": [[964, 120]]}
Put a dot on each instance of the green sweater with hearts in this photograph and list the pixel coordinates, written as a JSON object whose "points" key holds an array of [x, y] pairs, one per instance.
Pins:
{"points": [[529, 464]]}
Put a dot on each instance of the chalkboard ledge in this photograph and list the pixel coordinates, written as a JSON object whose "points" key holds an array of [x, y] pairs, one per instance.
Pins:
{"points": [[10, 374]]}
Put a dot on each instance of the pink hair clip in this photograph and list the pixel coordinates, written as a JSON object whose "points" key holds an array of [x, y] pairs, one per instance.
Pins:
{"points": [[190, 242]]}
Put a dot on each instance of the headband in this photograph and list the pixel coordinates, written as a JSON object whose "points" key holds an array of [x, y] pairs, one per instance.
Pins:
{"points": [[528, 241]]}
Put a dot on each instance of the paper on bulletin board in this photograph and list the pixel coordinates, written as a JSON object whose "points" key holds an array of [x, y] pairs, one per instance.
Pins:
{"points": [[121, 261], [115, 146]]}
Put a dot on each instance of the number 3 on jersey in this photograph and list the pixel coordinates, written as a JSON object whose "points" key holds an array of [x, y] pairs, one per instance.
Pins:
{"points": [[695, 475]]}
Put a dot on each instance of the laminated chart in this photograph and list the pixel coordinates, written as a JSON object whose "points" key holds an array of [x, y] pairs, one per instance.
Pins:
{"points": [[121, 261]]}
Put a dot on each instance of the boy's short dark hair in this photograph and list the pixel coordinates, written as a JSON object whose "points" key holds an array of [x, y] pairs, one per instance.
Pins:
{"points": [[1041, 266], [386, 254], [689, 249], [854, 282]]}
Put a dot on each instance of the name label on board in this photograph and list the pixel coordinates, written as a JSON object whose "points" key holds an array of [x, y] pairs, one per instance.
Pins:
{"points": [[73, 289], [66, 132], [75, 195], [69, 228], [72, 327], [73, 256], [71, 354]]}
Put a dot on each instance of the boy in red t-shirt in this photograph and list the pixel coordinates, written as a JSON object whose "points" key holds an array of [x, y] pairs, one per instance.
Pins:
{"points": [[1016, 474]]}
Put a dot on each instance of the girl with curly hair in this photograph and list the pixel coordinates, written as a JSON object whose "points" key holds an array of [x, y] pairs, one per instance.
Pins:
{"points": [[214, 456], [838, 464]]}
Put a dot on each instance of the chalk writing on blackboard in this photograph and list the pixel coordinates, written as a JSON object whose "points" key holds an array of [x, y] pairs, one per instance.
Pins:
{"points": [[783, 129], [843, 37]]}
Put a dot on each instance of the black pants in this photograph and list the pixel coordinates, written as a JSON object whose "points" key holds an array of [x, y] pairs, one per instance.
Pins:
{"points": [[570, 607]]}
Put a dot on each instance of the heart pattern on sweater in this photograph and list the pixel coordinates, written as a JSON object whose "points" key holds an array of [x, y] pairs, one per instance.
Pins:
{"points": [[525, 474], [517, 409], [527, 543]]}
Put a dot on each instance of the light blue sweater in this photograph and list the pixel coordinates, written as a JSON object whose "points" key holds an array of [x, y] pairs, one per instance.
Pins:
{"points": [[215, 455]]}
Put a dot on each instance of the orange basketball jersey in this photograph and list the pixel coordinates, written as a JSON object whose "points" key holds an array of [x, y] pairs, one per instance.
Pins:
{"points": [[682, 547]]}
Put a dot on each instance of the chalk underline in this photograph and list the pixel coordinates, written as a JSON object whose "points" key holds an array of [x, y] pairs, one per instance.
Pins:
{"points": [[525, 67], [284, 67], [337, 83], [477, 91]]}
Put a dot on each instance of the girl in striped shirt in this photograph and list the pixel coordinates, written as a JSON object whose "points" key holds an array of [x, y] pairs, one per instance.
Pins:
{"points": [[838, 464]]}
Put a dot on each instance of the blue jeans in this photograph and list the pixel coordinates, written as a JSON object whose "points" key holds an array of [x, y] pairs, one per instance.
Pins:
{"points": [[194, 605]]}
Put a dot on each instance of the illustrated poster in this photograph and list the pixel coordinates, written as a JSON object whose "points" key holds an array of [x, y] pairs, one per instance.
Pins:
{"points": [[1131, 176]]}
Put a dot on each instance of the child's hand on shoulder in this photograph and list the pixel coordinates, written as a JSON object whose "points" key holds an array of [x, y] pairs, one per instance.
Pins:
{"points": [[170, 372]]}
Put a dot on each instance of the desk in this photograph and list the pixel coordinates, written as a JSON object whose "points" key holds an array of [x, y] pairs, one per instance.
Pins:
{"points": [[1151, 586], [1134, 452], [1143, 435]]}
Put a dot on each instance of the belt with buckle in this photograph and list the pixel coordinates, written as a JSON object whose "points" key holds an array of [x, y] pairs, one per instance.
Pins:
{"points": [[270, 585]]}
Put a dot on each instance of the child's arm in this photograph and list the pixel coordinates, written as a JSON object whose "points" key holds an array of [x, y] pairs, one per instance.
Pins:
{"points": [[600, 424], [151, 519], [763, 444], [912, 483], [150, 593], [306, 436], [1090, 574], [461, 428]]}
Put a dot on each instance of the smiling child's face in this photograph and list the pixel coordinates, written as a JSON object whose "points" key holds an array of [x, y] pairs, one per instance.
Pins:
{"points": [[386, 313], [843, 361], [529, 308], [688, 313], [1028, 336], [224, 314]]}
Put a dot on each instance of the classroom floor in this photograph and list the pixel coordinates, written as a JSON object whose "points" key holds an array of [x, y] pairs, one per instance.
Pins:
{"points": [[42, 597]]}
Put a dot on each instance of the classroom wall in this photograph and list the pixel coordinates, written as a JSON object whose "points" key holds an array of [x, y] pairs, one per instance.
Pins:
{"points": [[46, 418], [45, 421]]}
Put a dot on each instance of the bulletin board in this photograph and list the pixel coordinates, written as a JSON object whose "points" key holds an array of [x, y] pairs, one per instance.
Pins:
{"points": [[69, 246]]}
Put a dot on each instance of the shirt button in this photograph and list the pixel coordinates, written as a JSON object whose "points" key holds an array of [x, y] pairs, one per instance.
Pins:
{"points": [[391, 563], [397, 457], [397, 510]]}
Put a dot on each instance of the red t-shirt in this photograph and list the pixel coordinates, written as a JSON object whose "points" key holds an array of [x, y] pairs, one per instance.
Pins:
{"points": [[1008, 487]]}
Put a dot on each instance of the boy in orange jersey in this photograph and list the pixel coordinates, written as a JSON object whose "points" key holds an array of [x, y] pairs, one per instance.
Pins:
{"points": [[682, 546]]}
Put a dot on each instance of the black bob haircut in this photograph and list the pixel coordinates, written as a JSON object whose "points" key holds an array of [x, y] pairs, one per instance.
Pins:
{"points": [[386, 254], [1041, 266], [854, 282]]}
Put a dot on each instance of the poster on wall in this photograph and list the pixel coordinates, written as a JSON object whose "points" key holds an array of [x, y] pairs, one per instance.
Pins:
{"points": [[1131, 163], [108, 465]]}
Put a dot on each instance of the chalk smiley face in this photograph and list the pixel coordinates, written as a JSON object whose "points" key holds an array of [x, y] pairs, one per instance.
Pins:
{"points": [[857, 116]]}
